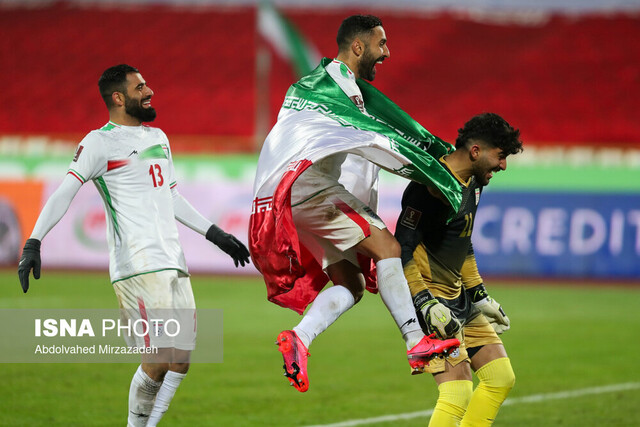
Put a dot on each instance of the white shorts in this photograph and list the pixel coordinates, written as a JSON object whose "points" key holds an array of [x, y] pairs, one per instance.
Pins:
{"points": [[161, 307], [332, 222]]}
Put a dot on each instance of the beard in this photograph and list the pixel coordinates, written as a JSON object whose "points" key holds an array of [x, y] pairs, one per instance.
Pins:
{"points": [[481, 172], [135, 109], [367, 65]]}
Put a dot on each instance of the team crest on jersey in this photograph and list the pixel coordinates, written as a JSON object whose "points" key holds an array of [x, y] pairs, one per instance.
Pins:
{"points": [[78, 152], [477, 196], [411, 218]]}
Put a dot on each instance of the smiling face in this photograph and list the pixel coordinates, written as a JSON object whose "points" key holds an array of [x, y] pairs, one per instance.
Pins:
{"points": [[375, 51], [137, 98], [488, 160]]}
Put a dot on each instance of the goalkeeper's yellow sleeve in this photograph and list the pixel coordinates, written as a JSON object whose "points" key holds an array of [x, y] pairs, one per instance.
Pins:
{"points": [[414, 278], [469, 272]]}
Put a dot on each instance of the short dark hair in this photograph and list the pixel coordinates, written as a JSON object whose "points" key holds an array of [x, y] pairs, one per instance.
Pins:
{"points": [[492, 129], [354, 26], [114, 79]]}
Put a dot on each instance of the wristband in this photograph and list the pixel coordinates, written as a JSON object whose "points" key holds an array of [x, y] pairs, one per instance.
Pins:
{"points": [[477, 293], [421, 299]]}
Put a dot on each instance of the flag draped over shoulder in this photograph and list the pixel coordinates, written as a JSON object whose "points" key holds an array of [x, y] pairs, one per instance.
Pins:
{"points": [[316, 120]]}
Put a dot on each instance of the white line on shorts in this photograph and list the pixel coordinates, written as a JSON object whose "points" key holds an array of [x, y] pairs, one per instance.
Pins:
{"points": [[516, 400]]}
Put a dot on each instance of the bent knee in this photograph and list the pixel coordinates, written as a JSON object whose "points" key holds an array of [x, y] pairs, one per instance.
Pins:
{"points": [[355, 288], [498, 374], [155, 371], [387, 247], [379, 245], [181, 368], [357, 295]]}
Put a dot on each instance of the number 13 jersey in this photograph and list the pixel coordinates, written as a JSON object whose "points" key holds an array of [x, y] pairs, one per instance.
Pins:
{"points": [[132, 168]]}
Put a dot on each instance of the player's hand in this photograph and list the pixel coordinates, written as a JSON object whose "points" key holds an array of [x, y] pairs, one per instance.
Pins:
{"points": [[435, 317], [30, 259], [229, 244], [490, 308]]}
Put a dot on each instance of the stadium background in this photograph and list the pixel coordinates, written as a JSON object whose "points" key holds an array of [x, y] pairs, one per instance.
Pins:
{"points": [[568, 77], [567, 210]]}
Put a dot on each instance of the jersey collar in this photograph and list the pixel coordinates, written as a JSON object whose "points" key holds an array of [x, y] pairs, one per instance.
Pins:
{"points": [[455, 175]]}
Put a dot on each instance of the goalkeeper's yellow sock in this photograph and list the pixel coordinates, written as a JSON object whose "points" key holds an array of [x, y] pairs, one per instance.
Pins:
{"points": [[496, 381], [452, 402]]}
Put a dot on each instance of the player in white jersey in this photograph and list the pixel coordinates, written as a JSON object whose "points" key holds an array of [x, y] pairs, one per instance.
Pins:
{"points": [[336, 226], [131, 166]]}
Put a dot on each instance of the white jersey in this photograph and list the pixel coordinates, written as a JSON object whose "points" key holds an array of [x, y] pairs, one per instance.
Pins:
{"points": [[132, 168], [325, 173]]}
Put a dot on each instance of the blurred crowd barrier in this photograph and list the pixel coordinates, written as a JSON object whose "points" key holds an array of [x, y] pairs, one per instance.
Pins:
{"points": [[566, 73], [535, 219]]}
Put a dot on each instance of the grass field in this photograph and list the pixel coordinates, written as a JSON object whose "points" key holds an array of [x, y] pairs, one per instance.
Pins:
{"points": [[563, 338]]}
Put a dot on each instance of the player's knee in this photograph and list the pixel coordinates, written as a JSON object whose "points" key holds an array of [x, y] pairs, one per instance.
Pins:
{"points": [[388, 247], [181, 368], [498, 374], [356, 288], [155, 371], [357, 295], [454, 396]]}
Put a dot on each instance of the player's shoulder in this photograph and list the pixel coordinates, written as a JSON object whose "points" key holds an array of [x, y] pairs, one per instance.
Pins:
{"points": [[95, 137], [155, 130], [157, 134], [108, 131], [418, 192]]}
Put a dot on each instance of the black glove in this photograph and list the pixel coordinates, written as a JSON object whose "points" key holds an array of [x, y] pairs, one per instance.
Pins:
{"points": [[229, 244], [30, 259]]}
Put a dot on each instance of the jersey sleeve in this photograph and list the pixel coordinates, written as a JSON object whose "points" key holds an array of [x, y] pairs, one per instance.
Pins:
{"points": [[469, 271], [172, 173], [55, 208], [89, 161], [421, 212]]}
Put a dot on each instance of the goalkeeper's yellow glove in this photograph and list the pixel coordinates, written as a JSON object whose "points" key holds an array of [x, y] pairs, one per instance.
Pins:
{"points": [[435, 317], [490, 308]]}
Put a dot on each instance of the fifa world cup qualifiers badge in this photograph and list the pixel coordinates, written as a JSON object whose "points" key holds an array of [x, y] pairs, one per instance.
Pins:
{"points": [[411, 218], [78, 152]]}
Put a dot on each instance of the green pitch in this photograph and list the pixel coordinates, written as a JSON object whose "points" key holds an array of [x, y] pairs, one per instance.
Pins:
{"points": [[563, 339]]}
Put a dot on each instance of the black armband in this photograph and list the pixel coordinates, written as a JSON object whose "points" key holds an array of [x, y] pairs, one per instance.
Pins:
{"points": [[477, 293]]}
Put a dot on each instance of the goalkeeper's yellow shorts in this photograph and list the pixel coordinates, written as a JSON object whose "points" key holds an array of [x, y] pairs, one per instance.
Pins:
{"points": [[476, 333]]}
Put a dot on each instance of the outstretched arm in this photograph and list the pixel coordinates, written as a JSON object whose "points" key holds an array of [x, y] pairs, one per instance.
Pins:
{"points": [[53, 211], [189, 216]]}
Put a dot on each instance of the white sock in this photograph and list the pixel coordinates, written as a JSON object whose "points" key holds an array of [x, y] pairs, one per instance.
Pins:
{"points": [[395, 294], [325, 310], [142, 395], [169, 386]]}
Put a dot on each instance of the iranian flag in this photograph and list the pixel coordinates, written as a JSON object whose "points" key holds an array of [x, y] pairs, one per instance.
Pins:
{"points": [[286, 40], [317, 119]]}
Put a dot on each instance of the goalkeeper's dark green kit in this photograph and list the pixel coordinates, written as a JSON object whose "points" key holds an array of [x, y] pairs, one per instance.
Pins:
{"points": [[437, 254]]}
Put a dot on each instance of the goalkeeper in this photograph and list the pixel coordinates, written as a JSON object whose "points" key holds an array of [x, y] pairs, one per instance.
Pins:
{"points": [[447, 290]]}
